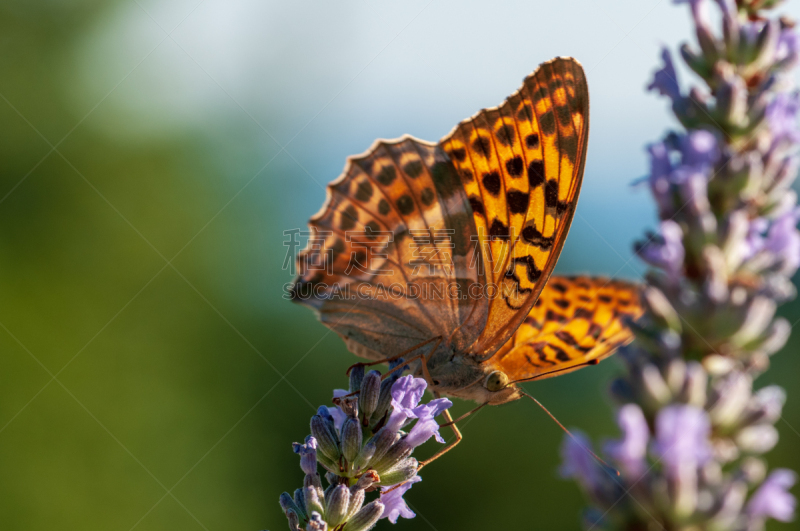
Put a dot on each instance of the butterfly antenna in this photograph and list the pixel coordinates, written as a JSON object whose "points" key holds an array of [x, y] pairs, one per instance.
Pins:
{"points": [[597, 457]]}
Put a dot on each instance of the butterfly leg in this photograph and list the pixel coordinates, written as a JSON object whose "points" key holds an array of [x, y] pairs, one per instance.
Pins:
{"points": [[438, 340], [451, 423]]}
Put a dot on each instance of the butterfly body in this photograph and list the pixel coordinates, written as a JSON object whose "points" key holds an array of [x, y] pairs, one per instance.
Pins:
{"points": [[451, 245]]}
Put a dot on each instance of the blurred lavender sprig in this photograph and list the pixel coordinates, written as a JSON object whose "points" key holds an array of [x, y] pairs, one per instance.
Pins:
{"points": [[363, 444], [693, 429]]}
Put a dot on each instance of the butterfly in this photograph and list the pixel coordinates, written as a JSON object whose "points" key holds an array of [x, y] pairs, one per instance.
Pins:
{"points": [[446, 250]]}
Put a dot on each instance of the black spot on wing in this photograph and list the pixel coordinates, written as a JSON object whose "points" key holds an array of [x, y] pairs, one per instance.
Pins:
{"points": [[477, 206], [558, 286], [387, 175], [533, 272], [459, 154], [532, 236], [364, 191], [499, 230], [536, 173], [405, 204], [427, 197], [555, 317], [561, 303], [482, 145], [348, 218], [491, 181], [548, 123], [413, 169], [517, 201], [514, 166], [506, 134], [551, 193]]}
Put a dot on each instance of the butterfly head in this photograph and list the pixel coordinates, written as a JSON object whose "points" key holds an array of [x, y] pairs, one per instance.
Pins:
{"points": [[464, 378], [496, 381]]}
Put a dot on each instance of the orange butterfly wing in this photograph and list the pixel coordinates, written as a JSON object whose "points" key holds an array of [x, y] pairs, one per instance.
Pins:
{"points": [[397, 217], [504, 185], [521, 165], [577, 321]]}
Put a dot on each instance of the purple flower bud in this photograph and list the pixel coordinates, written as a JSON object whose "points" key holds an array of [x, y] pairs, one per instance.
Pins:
{"points": [[337, 505], [313, 500], [352, 439], [682, 437], [665, 251], [757, 439], [326, 438], [665, 80], [357, 497], [395, 504], [768, 403], [308, 455], [365, 518], [403, 471], [356, 377], [772, 499], [380, 443], [630, 451], [294, 520], [370, 392], [288, 504]]}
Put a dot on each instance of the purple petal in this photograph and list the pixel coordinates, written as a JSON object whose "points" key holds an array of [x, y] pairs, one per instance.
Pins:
{"points": [[665, 80], [432, 409], [754, 241], [788, 47], [394, 504], [407, 391], [308, 454], [682, 437], [782, 114], [783, 240], [630, 451], [699, 149], [772, 499], [577, 462], [667, 250], [423, 430], [338, 417]]}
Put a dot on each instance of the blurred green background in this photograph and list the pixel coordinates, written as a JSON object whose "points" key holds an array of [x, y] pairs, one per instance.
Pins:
{"points": [[151, 376]]}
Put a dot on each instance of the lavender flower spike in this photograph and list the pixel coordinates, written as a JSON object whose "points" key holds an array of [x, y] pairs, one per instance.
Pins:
{"points": [[693, 428], [362, 447]]}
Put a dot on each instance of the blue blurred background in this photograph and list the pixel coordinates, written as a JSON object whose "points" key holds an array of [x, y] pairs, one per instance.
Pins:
{"points": [[153, 153]]}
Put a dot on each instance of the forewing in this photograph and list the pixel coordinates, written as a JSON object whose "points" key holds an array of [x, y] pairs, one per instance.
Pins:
{"points": [[397, 218], [577, 321], [521, 165]]}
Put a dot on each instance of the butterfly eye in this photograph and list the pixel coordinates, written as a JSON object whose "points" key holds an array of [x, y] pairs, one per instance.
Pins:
{"points": [[496, 381]]}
